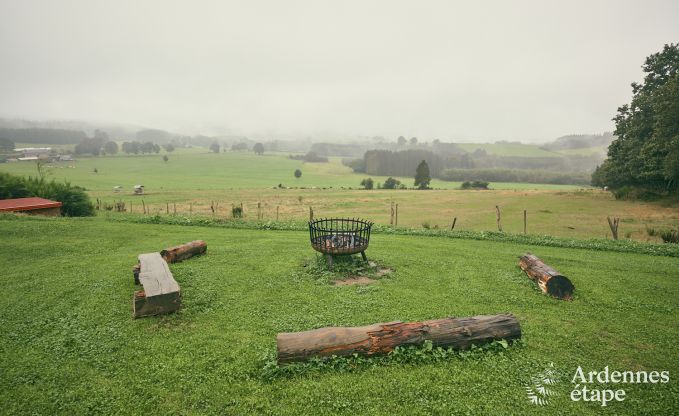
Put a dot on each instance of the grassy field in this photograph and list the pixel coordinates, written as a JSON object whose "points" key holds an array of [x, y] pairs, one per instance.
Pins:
{"points": [[70, 346], [193, 178], [196, 169]]}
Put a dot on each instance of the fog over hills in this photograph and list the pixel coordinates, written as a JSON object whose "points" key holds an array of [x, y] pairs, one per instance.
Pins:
{"points": [[452, 71]]}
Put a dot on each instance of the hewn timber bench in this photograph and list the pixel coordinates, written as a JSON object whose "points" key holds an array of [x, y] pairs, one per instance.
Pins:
{"points": [[161, 291]]}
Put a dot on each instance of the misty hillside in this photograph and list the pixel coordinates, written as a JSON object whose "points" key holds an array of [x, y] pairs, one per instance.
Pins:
{"points": [[580, 141]]}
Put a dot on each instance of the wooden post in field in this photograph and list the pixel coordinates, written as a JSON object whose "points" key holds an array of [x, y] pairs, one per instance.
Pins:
{"points": [[212, 207], [391, 218], [311, 213], [524, 221], [614, 226], [396, 217], [190, 208], [497, 217], [259, 210], [174, 208], [452, 227], [167, 207], [143, 206], [277, 206]]}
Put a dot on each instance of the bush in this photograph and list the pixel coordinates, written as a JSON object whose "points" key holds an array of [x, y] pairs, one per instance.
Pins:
{"points": [[75, 202], [474, 185], [368, 183], [670, 236], [391, 183]]}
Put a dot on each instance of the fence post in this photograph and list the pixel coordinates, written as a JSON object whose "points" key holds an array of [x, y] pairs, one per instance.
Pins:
{"points": [[452, 227], [277, 206], [396, 217], [143, 206], [497, 213], [614, 226], [311, 213], [524, 221]]}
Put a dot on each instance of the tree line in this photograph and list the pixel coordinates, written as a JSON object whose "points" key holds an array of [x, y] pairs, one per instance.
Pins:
{"points": [[643, 161]]}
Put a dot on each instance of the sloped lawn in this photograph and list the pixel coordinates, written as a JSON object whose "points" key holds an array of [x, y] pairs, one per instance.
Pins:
{"points": [[69, 345]]}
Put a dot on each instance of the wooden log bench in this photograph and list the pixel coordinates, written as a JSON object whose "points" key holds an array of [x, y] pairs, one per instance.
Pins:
{"points": [[161, 292]]}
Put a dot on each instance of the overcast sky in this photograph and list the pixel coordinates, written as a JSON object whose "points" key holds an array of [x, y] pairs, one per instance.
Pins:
{"points": [[469, 71]]}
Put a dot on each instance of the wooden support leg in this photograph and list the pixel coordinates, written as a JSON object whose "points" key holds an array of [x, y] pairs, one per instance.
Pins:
{"points": [[365, 258]]}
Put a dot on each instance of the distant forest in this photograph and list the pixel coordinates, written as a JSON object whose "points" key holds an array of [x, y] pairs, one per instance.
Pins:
{"points": [[43, 135]]}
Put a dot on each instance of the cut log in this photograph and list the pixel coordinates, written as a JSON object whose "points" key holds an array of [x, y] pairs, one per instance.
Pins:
{"points": [[161, 291], [458, 333], [549, 280], [184, 251]]}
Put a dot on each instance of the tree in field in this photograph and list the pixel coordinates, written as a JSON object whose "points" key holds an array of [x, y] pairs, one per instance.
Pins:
{"points": [[214, 147], [645, 155], [111, 148], [169, 147], [368, 183], [147, 147], [131, 147], [401, 141], [298, 173], [165, 158], [391, 183], [422, 176], [258, 148], [413, 141]]}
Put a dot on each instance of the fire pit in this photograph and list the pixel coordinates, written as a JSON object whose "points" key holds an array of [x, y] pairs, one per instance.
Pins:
{"points": [[340, 236]]}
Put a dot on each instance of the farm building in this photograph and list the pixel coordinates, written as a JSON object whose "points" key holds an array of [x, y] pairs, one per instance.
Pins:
{"points": [[31, 206], [34, 153]]}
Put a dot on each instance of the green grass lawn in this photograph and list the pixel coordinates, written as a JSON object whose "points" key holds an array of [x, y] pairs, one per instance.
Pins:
{"points": [[69, 344]]}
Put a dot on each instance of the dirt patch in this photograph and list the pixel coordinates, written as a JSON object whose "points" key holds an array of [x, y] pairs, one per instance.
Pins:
{"points": [[360, 280], [354, 280]]}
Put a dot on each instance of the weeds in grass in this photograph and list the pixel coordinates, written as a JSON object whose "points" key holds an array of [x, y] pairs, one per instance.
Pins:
{"points": [[409, 354], [670, 236]]}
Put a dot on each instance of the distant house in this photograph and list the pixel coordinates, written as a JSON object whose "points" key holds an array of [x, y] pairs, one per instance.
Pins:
{"points": [[34, 153], [32, 206], [66, 158]]}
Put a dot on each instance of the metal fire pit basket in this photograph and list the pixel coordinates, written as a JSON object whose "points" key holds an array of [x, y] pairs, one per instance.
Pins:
{"points": [[340, 236]]}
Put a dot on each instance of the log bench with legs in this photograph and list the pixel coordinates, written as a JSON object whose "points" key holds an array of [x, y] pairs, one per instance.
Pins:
{"points": [[161, 291]]}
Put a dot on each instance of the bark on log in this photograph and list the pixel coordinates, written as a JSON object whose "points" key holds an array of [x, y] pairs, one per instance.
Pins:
{"points": [[458, 333], [549, 280], [184, 251]]}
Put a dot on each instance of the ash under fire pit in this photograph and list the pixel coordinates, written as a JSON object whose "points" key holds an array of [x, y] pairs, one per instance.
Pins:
{"points": [[340, 236]]}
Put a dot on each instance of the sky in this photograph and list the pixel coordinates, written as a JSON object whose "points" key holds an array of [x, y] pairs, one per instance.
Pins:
{"points": [[447, 70]]}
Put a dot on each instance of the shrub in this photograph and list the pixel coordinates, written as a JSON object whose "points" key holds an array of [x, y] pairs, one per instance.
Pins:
{"points": [[670, 236], [74, 200], [367, 183], [474, 185], [391, 183]]}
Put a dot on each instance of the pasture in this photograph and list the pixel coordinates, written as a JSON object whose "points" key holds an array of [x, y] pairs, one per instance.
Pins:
{"points": [[193, 178], [69, 344]]}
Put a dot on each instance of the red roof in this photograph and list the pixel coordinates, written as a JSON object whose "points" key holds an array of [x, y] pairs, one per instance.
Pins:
{"points": [[27, 204]]}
